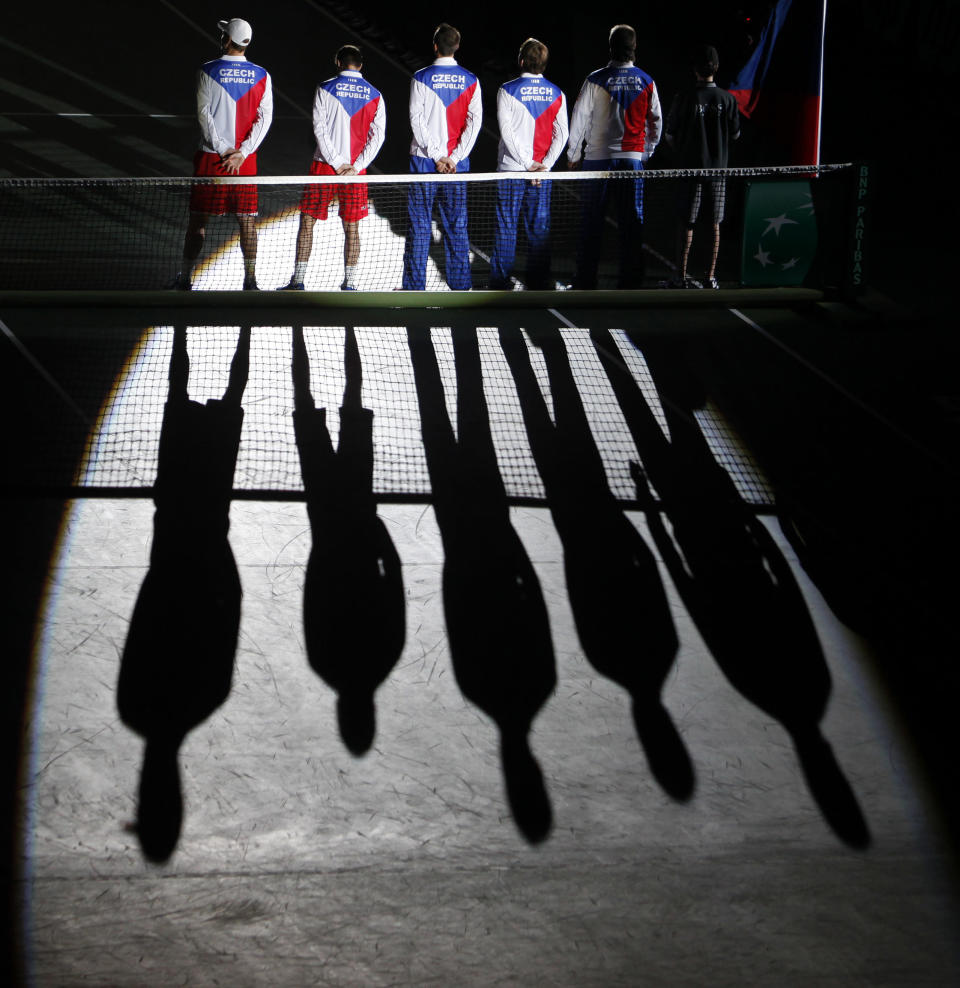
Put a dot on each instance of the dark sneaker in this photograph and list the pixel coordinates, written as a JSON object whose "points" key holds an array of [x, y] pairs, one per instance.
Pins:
{"points": [[292, 286], [347, 288], [181, 282], [711, 283], [250, 285]]}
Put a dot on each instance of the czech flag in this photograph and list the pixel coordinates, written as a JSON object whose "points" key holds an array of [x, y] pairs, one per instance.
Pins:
{"points": [[780, 88]]}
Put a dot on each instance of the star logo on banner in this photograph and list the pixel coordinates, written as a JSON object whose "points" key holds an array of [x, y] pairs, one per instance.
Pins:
{"points": [[780, 233], [776, 222]]}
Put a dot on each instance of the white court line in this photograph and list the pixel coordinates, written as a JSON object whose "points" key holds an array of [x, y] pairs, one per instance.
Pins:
{"points": [[562, 318], [114, 94], [43, 372], [51, 103], [67, 157], [836, 385], [819, 373], [71, 157]]}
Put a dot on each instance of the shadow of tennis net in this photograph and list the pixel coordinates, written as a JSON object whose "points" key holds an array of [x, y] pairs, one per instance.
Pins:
{"points": [[92, 387]]}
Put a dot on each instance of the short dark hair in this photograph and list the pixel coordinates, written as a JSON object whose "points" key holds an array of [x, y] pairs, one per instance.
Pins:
{"points": [[349, 56], [446, 38], [623, 42], [705, 60], [533, 55]]}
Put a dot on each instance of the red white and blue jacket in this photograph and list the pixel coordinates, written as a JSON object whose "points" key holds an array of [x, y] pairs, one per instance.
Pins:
{"points": [[234, 105], [532, 115], [445, 114], [617, 115], [349, 121]]}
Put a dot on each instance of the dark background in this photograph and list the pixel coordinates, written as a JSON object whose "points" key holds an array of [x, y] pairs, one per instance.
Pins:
{"points": [[889, 74]]}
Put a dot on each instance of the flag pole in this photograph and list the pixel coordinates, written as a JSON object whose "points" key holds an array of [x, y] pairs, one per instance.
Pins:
{"points": [[823, 36]]}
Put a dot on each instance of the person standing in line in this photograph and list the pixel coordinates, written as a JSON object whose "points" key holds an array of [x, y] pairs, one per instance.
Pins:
{"points": [[349, 123], [532, 116], [445, 117], [234, 110], [702, 122], [615, 126]]}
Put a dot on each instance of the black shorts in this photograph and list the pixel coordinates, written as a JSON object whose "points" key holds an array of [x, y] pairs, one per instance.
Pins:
{"points": [[695, 191]]}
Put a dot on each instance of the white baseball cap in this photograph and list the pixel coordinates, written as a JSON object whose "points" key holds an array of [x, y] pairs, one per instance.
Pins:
{"points": [[237, 30]]}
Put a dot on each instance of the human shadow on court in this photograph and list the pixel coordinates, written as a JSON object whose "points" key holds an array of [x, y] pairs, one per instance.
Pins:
{"points": [[177, 664], [353, 600], [734, 580], [496, 618], [616, 595]]}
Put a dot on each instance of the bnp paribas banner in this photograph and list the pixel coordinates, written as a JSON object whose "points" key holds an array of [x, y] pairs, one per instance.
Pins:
{"points": [[779, 233]]}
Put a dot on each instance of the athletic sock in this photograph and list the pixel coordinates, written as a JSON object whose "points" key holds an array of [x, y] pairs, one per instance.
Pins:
{"points": [[299, 272], [349, 274]]}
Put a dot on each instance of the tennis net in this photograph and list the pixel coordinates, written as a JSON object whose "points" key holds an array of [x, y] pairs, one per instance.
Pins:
{"points": [[781, 226]]}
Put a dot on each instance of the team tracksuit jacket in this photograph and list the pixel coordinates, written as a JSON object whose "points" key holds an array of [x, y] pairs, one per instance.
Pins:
{"points": [[617, 114], [445, 114], [349, 121], [532, 116], [445, 117], [234, 105]]}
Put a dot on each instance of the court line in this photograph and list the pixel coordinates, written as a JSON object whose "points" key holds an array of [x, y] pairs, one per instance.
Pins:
{"points": [[840, 389], [114, 94], [53, 105], [65, 156], [74, 158], [43, 372], [562, 318], [836, 385]]}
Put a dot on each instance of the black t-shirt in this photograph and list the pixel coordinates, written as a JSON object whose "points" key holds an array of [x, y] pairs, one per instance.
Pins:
{"points": [[702, 122]]}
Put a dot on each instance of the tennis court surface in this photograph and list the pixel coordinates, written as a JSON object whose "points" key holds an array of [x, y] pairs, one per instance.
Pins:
{"points": [[477, 646]]}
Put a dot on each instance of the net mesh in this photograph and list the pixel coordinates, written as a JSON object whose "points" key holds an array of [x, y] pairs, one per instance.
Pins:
{"points": [[107, 234], [573, 396]]}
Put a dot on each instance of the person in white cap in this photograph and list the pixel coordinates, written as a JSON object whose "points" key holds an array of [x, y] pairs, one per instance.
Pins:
{"points": [[234, 109]]}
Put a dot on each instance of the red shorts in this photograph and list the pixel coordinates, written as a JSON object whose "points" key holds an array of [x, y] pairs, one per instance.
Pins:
{"points": [[316, 198], [219, 199]]}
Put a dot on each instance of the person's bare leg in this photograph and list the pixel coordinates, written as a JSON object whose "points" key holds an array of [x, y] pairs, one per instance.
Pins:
{"points": [[304, 250], [351, 251], [192, 246], [193, 241], [305, 239], [715, 252], [685, 252], [248, 247]]}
